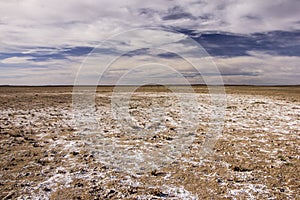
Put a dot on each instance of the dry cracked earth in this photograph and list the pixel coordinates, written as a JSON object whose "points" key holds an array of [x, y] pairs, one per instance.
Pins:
{"points": [[46, 155]]}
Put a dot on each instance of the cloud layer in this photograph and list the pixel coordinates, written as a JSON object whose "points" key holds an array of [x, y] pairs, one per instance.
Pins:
{"points": [[253, 42]]}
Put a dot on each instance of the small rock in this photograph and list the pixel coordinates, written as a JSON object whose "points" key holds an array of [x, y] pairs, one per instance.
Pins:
{"points": [[9, 196], [46, 189]]}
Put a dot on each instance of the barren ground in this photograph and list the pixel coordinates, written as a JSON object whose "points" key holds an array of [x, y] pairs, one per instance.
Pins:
{"points": [[44, 156]]}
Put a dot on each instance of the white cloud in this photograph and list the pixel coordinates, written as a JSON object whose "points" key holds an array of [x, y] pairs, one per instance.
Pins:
{"points": [[263, 69], [29, 24], [57, 23], [259, 68], [15, 60]]}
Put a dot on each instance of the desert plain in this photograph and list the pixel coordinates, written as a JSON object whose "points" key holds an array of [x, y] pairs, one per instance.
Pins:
{"points": [[45, 155]]}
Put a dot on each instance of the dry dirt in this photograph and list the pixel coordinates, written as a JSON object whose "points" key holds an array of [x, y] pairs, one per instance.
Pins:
{"points": [[45, 156]]}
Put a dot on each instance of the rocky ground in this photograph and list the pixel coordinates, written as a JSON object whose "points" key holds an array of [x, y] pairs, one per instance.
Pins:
{"points": [[46, 155]]}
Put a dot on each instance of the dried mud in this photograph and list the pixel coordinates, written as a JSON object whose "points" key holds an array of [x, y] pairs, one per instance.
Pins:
{"points": [[44, 157]]}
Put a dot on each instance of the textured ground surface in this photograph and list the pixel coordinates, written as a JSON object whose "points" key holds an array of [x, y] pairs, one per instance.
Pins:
{"points": [[45, 155]]}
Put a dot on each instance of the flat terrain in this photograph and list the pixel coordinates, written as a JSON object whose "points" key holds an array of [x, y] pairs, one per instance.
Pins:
{"points": [[48, 152]]}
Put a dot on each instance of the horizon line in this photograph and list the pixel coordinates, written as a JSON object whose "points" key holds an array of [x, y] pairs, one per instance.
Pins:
{"points": [[148, 85]]}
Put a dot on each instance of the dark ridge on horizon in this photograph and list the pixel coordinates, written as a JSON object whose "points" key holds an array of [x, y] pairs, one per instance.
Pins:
{"points": [[150, 85]]}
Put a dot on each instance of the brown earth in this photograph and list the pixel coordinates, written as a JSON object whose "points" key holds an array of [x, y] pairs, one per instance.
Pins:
{"points": [[257, 157]]}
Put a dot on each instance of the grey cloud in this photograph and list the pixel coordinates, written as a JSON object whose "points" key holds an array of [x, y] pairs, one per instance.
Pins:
{"points": [[178, 16], [177, 12], [59, 24], [89, 21]]}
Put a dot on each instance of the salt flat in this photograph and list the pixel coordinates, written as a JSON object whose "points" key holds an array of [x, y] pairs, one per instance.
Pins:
{"points": [[46, 153]]}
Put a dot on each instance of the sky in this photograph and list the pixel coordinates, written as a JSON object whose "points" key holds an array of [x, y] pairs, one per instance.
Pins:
{"points": [[51, 42]]}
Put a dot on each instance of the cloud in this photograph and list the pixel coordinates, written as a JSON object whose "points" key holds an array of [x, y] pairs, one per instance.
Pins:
{"points": [[168, 55], [80, 23], [230, 44], [58, 35], [177, 12], [260, 68], [15, 60]]}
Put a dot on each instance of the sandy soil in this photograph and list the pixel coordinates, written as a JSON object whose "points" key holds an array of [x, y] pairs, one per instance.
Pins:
{"points": [[44, 155]]}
